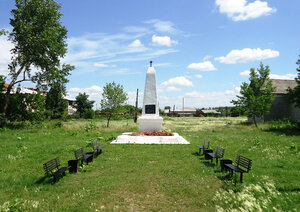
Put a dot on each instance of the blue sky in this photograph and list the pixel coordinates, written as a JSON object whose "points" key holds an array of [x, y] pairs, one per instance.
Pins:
{"points": [[201, 50]]}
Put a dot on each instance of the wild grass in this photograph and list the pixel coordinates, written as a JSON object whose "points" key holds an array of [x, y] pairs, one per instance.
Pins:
{"points": [[150, 177]]}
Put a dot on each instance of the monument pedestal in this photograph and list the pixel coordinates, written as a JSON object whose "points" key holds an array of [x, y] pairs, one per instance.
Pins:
{"points": [[126, 138], [150, 123]]}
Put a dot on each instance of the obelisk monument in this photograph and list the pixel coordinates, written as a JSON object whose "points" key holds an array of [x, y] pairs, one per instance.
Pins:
{"points": [[150, 119]]}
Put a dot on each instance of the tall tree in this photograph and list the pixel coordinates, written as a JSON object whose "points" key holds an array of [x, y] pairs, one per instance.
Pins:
{"points": [[39, 41], [83, 103], [294, 94], [113, 97], [55, 102], [257, 96]]}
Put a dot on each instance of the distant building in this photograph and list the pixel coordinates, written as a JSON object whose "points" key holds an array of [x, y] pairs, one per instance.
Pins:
{"points": [[183, 112], [209, 113], [281, 107], [23, 90]]}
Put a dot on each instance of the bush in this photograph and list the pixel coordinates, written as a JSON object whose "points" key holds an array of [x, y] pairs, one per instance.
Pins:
{"points": [[89, 114]]}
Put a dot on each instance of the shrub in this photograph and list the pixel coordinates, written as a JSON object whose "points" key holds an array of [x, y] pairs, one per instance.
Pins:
{"points": [[89, 114]]}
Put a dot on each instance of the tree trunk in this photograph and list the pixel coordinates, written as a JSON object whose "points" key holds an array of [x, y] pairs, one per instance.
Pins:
{"points": [[254, 120], [108, 119], [3, 120]]}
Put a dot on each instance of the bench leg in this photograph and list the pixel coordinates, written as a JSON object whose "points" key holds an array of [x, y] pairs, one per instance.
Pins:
{"points": [[216, 161], [241, 177]]}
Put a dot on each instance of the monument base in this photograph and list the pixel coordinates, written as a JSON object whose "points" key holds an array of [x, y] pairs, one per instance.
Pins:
{"points": [[150, 123], [125, 138]]}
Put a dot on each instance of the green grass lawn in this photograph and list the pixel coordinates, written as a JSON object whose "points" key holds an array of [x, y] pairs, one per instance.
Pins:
{"points": [[150, 177]]}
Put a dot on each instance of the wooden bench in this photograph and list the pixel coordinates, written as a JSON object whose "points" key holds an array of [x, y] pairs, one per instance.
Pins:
{"points": [[97, 148], [80, 155], [219, 153], [243, 165], [204, 147], [52, 169]]}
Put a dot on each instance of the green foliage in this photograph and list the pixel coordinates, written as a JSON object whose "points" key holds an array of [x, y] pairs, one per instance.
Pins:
{"points": [[128, 109], [39, 41], [113, 97], [89, 114], [257, 96], [294, 94], [55, 102], [83, 104], [22, 107], [90, 126], [238, 111], [3, 32]]}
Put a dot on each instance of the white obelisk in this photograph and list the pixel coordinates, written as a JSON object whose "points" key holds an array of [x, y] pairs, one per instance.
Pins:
{"points": [[150, 119]]}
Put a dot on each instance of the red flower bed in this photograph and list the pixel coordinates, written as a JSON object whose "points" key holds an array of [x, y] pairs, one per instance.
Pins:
{"points": [[154, 133]]}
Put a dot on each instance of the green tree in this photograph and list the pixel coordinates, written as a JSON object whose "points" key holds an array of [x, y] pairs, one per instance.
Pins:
{"points": [[55, 102], [3, 32], [294, 94], [83, 103], [113, 97], [39, 41], [257, 96]]}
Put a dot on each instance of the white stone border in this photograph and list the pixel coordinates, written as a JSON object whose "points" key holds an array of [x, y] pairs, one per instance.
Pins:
{"points": [[125, 138]]}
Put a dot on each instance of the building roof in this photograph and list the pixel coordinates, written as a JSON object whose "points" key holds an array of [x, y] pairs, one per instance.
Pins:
{"points": [[211, 111], [188, 109], [281, 86]]}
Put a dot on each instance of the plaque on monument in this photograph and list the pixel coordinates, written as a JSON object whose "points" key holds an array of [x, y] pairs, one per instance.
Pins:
{"points": [[150, 109]]}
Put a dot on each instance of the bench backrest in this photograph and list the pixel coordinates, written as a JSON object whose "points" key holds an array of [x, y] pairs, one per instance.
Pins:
{"points": [[95, 145], [79, 153], [205, 144], [51, 165], [244, 162], [220, 151]]}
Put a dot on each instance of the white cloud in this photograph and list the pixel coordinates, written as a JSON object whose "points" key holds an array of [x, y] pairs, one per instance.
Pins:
{"points": [[98, 48], [94, 92], [209, 99], [206, 57], [163, 41], [203, 66], [245, 73], [132, 98], [163, 26], [173, 88], [5, 55], [241, 10], [135, 44], [179, 81], [247, 55], [199, 76], [237, 89], [284, 77], [100, 65]]}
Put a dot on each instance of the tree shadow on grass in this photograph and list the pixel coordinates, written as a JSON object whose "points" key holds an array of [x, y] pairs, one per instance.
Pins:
{"points": [[284, 127], [289, 189], [285, 131]]}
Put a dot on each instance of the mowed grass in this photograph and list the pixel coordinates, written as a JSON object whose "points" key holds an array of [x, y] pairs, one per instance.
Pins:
{"points": [[150, 177]]}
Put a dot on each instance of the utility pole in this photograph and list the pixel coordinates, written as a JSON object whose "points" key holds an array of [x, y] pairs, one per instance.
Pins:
{"points": [[136, 105], [173, 110]]}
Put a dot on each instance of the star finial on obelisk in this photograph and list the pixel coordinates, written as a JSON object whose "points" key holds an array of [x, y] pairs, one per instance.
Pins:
{"points": [[150, 63]]}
